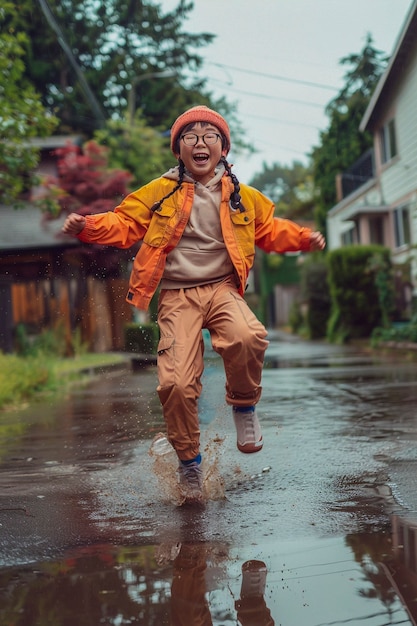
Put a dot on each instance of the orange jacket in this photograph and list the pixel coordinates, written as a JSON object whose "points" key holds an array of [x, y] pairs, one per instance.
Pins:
{"points": [[159, 231]]}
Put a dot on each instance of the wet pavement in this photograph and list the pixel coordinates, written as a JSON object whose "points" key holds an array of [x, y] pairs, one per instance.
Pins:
{"points": [[320, 528]]}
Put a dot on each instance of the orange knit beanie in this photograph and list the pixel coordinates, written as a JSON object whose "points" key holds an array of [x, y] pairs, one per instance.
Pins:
{"points": [[200, 114]]}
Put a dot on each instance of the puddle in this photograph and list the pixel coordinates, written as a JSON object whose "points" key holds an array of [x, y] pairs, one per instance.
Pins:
{"points": [[340, 580], [89, 535]]}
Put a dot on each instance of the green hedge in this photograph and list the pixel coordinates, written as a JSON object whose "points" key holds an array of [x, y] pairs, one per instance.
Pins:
{"points": [[141, 338], [315, 294], [361, 290]]}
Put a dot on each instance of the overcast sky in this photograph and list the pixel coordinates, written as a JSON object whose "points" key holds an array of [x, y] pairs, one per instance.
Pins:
{"points": [[279, 60]]}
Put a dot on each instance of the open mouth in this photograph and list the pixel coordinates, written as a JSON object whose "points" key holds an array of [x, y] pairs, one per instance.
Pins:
{"points": [[200, 157]]}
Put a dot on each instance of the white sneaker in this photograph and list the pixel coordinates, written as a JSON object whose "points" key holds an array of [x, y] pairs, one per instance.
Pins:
{"points": [[249, 436]]}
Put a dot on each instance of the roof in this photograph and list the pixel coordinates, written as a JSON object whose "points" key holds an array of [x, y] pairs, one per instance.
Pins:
{"points": [[404, 44], [28, 228], [54, 141], [355, 212]]}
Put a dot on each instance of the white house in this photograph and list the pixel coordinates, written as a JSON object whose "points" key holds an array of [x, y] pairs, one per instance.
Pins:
{"points": [[380, 204]]}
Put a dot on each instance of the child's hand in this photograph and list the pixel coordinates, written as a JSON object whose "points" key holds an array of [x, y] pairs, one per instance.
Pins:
{"points": [[317, 241], [74, 224]]}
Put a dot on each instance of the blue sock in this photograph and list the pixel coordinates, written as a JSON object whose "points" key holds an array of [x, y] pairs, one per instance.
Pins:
{"points": [[196, 459], [244, 409]]}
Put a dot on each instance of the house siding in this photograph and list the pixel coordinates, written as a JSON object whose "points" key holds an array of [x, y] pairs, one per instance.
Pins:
{"points": [[399, 177], [338, 222], [395, 182]]}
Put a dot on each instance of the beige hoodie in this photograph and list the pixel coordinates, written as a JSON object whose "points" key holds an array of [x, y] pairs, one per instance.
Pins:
{"points": [[200, 256]]}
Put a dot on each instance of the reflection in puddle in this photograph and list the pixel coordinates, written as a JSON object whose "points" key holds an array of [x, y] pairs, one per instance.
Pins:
{"points": [[190, 600], [365, 578], [401, 571]]}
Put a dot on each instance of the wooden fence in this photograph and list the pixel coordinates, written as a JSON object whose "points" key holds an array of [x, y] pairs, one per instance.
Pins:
{"points": [[96, 307]]}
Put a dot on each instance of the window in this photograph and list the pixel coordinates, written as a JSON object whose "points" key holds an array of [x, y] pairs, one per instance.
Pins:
{"points": [[376, 230], [388, 141], [402, 226], [348, 237]]}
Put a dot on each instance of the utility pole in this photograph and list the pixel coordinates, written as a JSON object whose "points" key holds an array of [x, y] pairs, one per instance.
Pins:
{"points": [[89, 95]]}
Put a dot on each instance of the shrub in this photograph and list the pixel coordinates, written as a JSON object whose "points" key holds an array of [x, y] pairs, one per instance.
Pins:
{"points": [[50, 342], [296, 318], [360, 282], [401, 333], [20, 378], [316, 296], [141, 338]]}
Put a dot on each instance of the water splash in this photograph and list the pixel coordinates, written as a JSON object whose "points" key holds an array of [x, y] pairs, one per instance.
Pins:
{"points": [[213, 483], [165, 469]]}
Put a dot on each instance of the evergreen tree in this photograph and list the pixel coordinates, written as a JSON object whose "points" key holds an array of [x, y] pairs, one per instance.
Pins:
{"points": [[86, 56], [343, 143]]}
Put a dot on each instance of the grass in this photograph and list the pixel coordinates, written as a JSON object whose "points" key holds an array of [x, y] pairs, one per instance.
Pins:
{"points": [[23, 379], [66, 367]]}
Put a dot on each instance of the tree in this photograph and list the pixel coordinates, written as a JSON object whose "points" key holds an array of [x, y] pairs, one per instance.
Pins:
{"points": [[84, 53], [343, 143], [137, 148], [87, 185], [22, 115], [289, 187]]}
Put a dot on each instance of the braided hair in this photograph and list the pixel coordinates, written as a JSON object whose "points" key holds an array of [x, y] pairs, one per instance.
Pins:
{"points": [[157, 205], [235, 199]]}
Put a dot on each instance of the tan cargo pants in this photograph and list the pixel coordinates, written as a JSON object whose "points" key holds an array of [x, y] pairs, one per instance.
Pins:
{"points": [[236, 335]]}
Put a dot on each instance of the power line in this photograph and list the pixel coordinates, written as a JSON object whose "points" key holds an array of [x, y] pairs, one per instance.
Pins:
{"points": [[95, 106], [282, 122], [306, 83], [268, 97], [279, 147]]}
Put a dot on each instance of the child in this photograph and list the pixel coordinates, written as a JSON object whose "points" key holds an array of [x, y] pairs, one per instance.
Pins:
{"points": [[198, 229]]}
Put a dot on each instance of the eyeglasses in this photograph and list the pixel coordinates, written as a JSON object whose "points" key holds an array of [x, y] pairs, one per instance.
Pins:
{"points": [[191, 139]]}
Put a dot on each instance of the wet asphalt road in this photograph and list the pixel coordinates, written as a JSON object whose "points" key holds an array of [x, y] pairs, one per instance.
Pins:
{"points": [[90, 534]]}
